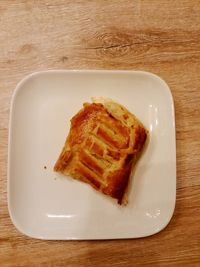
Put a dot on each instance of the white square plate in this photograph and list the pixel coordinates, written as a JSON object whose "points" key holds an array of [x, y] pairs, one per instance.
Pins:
{"points": [[43, 204]]}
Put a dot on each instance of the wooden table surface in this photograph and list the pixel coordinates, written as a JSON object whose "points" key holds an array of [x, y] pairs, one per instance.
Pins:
{"points": [[162, 37]]}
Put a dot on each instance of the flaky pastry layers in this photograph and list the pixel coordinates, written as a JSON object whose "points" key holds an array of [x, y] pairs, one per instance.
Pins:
{"points": [[103, 144]]}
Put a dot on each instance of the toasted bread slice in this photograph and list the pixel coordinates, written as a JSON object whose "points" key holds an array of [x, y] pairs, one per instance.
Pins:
{"points": [[103, 144]]}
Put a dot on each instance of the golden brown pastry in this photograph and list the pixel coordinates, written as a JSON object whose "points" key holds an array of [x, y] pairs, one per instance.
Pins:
{"points": [[103, 144]]}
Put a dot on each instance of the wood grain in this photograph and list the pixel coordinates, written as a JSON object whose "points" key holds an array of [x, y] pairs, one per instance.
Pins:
{"points": [[157, 36]]}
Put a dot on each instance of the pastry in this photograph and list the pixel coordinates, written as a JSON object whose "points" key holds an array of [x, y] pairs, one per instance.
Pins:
{"points": [[103, 145]]}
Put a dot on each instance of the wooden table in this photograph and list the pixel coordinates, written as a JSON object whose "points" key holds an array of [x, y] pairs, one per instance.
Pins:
{"points": [[157, 36]]}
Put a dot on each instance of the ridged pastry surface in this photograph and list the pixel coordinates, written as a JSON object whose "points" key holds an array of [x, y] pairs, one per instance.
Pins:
{"points": [[103, 144]]}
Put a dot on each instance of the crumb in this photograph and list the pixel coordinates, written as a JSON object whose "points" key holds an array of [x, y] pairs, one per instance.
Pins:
{"points": [[55, 178], [45, 167]]}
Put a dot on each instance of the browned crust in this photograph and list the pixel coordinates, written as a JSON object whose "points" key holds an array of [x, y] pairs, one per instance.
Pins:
{"points": [[85, 159], [87, 175], [115, 154], [117, 182], [90, 162], [62, 161], [140, 138]]}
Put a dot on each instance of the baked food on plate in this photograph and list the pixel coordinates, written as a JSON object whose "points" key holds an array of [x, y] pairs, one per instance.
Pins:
{"points": [[103, 144]]}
